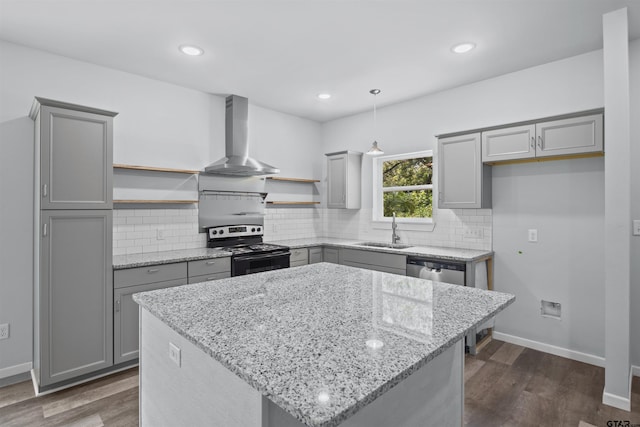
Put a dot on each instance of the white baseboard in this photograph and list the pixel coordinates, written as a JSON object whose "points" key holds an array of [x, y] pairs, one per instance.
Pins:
{"points": [[551, 349], [620, 402], [15, 370]]}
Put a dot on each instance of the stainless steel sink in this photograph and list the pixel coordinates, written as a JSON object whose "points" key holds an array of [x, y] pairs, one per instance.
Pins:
{"points": [[384, 245]]}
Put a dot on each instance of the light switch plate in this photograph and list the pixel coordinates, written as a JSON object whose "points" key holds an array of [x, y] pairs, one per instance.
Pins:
{"points": [[636, 227], [533, 235], [174, 353]]}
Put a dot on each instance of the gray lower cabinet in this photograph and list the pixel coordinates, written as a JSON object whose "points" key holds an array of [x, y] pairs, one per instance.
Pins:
{"points": [[315, 255], [126, 283], [73, 318], [331, 255], [463, 180], [299, 256], [125, 319], [370, 260], [209, 269]]}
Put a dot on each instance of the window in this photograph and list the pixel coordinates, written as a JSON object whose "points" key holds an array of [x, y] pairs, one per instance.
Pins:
{"points": [[403, 184]]}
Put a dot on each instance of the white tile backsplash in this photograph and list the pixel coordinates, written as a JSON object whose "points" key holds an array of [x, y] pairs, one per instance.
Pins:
{"points": [[136, 230]]}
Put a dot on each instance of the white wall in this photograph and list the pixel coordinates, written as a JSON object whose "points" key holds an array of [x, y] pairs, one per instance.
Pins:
{"points": [[159, 124], [634, 77], [565, 86]]}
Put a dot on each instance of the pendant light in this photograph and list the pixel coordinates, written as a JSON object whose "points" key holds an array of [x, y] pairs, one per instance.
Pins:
{"points": [[374, 150]]}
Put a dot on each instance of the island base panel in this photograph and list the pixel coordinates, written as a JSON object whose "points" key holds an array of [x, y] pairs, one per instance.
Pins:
{"points": [[431, 396], [203, 392], [199, 392]]}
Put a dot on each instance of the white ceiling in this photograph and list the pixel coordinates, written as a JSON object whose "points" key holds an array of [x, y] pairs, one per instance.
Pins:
{"points": [[281, 54]]}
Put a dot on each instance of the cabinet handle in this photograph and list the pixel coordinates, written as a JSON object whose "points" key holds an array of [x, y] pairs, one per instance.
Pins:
{"points": [[44, 229], [153, 270], [440, 196], [211, 278], [533, 142], [540, 142], [44, 190], [117, 305], [210, 262]]}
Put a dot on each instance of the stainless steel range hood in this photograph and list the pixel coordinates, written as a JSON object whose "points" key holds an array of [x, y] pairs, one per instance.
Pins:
{"points": [[237, 161]]}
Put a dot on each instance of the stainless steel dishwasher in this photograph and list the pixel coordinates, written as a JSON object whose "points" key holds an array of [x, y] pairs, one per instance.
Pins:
{"points": [[440, 271]]}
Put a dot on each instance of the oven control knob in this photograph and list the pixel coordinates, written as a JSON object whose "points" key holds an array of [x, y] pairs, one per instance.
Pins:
{"points": [[258, 228], [253, 229], [221, 231], [214, 232]]}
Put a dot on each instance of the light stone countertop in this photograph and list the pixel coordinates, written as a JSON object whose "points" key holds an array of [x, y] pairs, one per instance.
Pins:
{"points": [[452, 254], [294, 333], [166, 257]]}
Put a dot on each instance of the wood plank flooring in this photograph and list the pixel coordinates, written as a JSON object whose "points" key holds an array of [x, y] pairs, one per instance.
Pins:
{"points": [[505, 385]]}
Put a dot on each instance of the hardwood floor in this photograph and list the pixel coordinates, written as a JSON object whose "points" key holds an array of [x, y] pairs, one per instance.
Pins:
{"points": [[505, 385]]}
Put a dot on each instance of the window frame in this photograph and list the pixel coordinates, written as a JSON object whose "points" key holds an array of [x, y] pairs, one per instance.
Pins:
{"points": [[378, 208]]}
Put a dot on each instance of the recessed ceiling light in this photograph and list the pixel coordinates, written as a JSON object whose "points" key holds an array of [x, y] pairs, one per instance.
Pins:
{"points": [[463, 47], [324, 95], [191, 50]]}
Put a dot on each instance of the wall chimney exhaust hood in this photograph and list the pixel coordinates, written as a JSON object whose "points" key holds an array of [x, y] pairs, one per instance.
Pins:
{"points": [[237, 161]]}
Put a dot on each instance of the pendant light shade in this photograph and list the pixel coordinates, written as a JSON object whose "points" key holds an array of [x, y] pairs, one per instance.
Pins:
{"points": [[374, 150]]}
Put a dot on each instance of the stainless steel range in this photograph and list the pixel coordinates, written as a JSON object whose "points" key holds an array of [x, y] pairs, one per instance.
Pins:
{"points": [[249, 253]]}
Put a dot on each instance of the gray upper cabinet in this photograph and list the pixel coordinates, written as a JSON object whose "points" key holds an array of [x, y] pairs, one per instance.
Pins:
{"points": [[570, 136], [75, 294], [518, 142], [554, 138], [463, 181], [344, 180], [76, 155]]}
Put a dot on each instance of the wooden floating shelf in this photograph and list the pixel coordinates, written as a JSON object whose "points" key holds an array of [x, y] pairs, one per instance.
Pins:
{"points": [[281, 178], [155, 169], [274, 202], [165, 202]]}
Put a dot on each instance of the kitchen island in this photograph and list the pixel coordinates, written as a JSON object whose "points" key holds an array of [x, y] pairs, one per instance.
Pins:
{"points": [[317, 345]]}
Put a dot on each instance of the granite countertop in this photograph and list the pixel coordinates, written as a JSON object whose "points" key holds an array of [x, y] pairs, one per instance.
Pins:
{"points": [[295, 333], [166, 257], [453, 254]]}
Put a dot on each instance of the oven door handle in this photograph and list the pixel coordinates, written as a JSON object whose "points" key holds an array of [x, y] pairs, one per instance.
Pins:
{"points": [[265, 256]]}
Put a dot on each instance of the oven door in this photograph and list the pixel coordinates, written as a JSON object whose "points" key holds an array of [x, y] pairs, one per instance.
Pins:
{"points": [[247, 264]]}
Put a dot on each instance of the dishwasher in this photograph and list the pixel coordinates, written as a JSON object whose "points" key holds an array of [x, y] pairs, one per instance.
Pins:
{"points": [[440, 271], [447, 272]]}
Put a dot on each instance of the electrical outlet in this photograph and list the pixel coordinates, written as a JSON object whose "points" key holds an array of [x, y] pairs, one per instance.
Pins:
{"points": [[636, 227], [4, 331], [174, 353], [473, 233], [160, 235], [533, 235]]}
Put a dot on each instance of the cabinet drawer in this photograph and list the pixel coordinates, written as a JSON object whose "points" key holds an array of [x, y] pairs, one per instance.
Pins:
{"points": [[209, 266], [299, 256], [350, 256], [149, 274], [207, 277]]}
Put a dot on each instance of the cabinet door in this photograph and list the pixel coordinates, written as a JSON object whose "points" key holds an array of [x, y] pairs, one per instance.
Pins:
{"points": [[331, 255], [570, 136], [463, 181], [125, 319], [517, 142], [337, 181], [75, 294], [76, 159], [315, 255]]}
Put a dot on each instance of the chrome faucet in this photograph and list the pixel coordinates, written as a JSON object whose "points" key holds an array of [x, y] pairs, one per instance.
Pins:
{"points": [[394, 235]]}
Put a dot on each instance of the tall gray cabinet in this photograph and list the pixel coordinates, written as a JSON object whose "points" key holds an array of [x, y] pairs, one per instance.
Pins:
{"points": [[73, 285]]}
